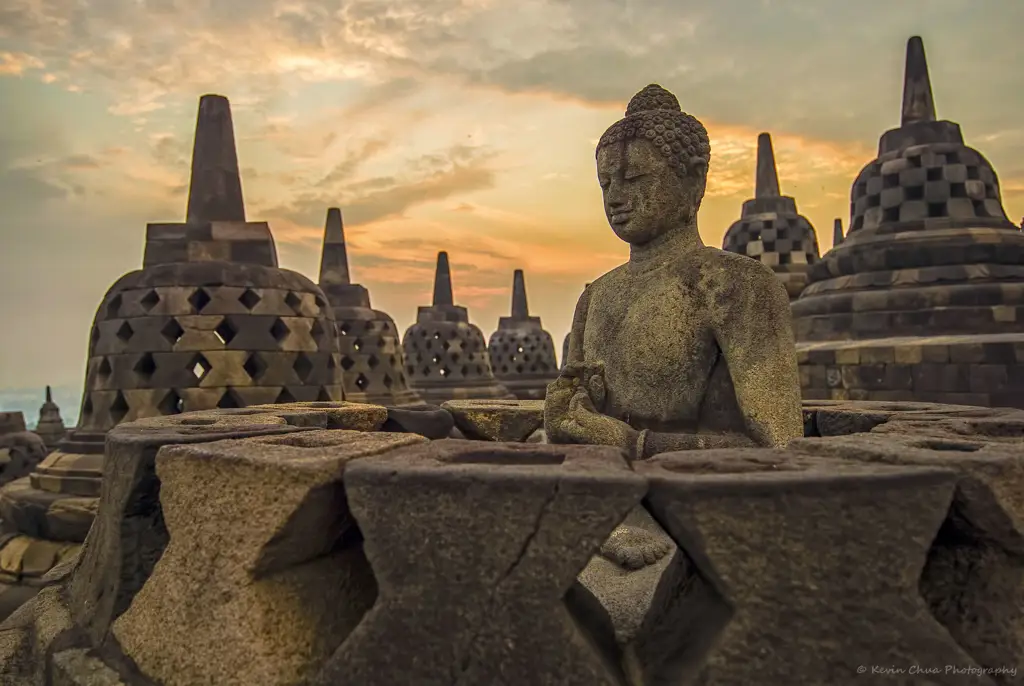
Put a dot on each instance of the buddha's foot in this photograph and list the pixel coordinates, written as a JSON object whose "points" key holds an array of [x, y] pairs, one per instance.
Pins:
{"points": [[631, 547]]}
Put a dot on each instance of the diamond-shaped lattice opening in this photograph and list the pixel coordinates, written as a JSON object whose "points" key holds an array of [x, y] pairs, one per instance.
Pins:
{"points": [[200, 367], [254, 366], [303, 367], [285, 396], [249, 299], [331, 363], [317, 329], [437, 336], [104, 370], [357, 344], [455, 357], [347, 362], [171, 404], [125, 332], [426, 371], [145, 366], [372, 361], [94, 337], [150, 300], [229, 400], [320, 302], [388, 381], [172, 331], [293, 301], [323, 396], [436, 359], [445, 371], [279, 330], [362, 382], [118, 408], [199, 299], [368, 325], [87, 406], [343, 329], [225, 331], [114, 306]]}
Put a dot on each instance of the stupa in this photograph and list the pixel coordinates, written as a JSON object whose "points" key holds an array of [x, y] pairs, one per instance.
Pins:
{"points": [[771, 230], [565, 342], [924, 298], [372, 360], [837, 232], [522, 352], [50, 426], [445, 356], [209, 321]]}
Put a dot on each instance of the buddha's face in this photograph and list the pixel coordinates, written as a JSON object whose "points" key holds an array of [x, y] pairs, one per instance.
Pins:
{"points": [[644, 197]]}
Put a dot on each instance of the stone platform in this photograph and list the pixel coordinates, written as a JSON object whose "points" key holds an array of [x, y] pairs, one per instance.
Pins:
{"points": [[892, 535]]}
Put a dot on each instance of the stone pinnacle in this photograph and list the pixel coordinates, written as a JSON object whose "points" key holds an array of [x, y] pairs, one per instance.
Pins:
{"points": [[334, 256], [520, 310], [215, 189], [918, 103], [49, 395], [837, 232], [443, 281], [766, 184]]}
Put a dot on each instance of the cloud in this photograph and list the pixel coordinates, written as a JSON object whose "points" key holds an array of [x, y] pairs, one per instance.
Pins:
{"points": [[15, 64]]}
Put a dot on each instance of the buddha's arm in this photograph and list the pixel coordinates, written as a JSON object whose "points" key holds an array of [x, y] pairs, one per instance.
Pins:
{"points": [[755, 332]]}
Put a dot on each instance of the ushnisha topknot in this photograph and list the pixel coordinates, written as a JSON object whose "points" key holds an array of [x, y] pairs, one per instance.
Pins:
{"points": [[655, 114]]}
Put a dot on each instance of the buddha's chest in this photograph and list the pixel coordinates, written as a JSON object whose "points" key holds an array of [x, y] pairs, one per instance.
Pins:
{"points": [[655, 335]]}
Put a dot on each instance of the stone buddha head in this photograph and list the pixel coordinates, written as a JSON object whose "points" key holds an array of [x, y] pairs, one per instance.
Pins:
{"points": [[652, 166]]}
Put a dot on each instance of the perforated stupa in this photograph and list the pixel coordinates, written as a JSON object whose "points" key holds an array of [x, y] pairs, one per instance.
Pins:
{"points": [[771, 230], [924, 297], [446, 357], [372, 361], [522, 352], [210, 321]]}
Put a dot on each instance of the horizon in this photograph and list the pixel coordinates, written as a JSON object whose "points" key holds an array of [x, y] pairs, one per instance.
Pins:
{"points": [[458, 126]]}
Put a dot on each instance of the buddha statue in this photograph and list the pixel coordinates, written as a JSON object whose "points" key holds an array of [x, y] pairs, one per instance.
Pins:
{"points": [[684, 346]]}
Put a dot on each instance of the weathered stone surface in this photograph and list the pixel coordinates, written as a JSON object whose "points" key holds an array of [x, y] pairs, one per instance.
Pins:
{"points": [[974, 577], [426, 420], [497, 420], [253, 595], [20, 452], [30, 636], [495, 539], [77, 668], [522, 353], [789, 541]]}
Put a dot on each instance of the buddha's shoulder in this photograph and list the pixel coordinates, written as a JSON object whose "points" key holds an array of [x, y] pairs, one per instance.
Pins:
{"points": [[719, 267]]}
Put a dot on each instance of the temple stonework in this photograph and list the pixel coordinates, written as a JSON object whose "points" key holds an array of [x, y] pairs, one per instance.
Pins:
{"points": [[446, 357], [924, 298], [210, 321], [770, 229], [522, 352], [837, 232], [50, 426], [372, 360]]}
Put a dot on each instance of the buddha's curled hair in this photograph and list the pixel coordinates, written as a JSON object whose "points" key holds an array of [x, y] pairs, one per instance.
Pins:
{"points": [[654, 114]]}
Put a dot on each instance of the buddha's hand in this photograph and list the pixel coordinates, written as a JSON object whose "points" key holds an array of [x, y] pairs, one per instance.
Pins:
{"points": [[631, 547], [574, 377], [584, 424]]}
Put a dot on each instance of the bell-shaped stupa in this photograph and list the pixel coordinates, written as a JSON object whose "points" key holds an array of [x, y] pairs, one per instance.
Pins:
{"points": [[771, 230], [445, 356], [372, 360], [522, 352], [924, 298], [50, 426], [209, 321]]}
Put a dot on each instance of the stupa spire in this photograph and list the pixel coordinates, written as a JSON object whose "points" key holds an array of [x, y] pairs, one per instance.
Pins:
{"points": [[49, 396], [766, 184], [837, 232], [215, 188], [918, 103], [443, 281], [334, 256], [520, 308]]}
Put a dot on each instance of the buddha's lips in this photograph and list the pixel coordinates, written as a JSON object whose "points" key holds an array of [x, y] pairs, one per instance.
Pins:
{"points": [[620, 217]]}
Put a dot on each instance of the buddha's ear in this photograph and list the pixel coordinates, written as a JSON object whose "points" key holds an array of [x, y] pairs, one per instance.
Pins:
{"points": [[699, 165]]}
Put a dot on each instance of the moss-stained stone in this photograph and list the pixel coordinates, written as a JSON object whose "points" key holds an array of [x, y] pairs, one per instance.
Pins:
{"points": [[497, 420]]}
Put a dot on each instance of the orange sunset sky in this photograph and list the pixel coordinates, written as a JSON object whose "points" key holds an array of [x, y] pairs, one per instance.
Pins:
{"points": [[459, 125]]}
